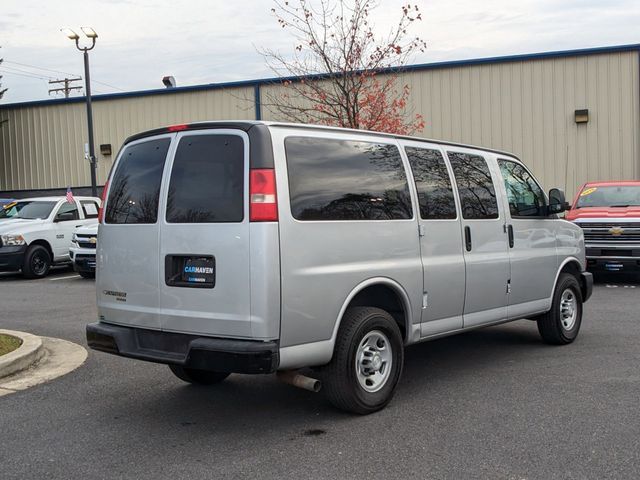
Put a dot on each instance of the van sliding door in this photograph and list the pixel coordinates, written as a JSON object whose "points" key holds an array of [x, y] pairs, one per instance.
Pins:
{"points": [[486, 248], [440, 240]]}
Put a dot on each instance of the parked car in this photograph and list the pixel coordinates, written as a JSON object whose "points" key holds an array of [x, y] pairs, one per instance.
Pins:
{"points": [[609, 214], [258, 247], [35, 233], [5, 201], [83, 250]]}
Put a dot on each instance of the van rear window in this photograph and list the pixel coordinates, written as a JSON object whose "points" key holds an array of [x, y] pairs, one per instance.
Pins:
{"points": [[207, 180], [332, 179], [135, 188]]}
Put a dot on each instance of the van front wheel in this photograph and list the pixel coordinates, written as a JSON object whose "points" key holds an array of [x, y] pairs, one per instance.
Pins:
{"points": [[561, 324], [198, 377], [367, 361]]}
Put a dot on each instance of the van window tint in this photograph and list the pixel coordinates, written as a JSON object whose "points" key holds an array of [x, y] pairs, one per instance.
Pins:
{"points": [[432, 183], [207, 180], [525, 196], [346, 180], [475, 187], [134, 191]]}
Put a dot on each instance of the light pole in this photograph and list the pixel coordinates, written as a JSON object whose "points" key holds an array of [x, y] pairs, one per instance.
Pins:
{"points": [[91, 34]]}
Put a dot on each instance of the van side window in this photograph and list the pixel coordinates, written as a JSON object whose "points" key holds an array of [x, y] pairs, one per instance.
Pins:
{"points": [[525, 196], [207, 180], [134, 191], [333, 179], [475, 187], [433, 184], [90, 209]]}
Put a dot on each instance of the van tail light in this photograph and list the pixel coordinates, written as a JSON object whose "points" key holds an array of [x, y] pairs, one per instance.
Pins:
{"points": [[263, 204], [104, 197]]}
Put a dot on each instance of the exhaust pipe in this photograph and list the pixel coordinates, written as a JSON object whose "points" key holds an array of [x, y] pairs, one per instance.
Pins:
{"points": [[292, 377]]}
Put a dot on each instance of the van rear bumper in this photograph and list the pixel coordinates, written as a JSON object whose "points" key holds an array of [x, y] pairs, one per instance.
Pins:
{"points": [[190, 351]]}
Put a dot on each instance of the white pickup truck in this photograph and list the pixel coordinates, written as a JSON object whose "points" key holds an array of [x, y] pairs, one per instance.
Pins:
{"points": [[36, 233], [83, 250]]}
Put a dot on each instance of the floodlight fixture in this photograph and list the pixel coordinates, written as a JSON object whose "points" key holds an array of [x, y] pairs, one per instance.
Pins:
{"points": [[89, 32], [70, 33]]}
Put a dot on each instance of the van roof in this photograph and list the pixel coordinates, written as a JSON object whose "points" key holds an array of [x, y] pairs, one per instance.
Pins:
{"points": [[246, 125]]}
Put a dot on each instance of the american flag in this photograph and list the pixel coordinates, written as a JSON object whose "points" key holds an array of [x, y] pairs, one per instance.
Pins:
{"points": [[69, 195]]}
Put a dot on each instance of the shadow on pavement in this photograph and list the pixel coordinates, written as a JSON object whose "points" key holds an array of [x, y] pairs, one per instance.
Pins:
{"points": [[254, 404]]}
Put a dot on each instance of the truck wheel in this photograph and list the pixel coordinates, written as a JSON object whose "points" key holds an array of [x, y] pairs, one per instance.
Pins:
{"points": [[87, 274], [198, 377], [561, 324], [367, 361], [37, 262]]}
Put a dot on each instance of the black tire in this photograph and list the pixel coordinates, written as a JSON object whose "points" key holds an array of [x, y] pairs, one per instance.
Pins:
{"points": [[87, 274], [553, 326], [37, 262], [341, 383], [198, 377]]}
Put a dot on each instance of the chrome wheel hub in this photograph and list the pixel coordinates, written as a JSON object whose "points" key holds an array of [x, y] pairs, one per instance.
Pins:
{"points": [[568, 309], [374, 359]]}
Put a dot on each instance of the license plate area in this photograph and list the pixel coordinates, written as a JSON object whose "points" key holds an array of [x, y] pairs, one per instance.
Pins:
{"points": [[191, 271]]}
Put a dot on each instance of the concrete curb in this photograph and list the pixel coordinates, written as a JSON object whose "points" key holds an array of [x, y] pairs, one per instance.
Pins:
{"points": [[24, 356]]}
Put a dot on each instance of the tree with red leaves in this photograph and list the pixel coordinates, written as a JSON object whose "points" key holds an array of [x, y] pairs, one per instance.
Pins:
{"points": [[340, 72]]}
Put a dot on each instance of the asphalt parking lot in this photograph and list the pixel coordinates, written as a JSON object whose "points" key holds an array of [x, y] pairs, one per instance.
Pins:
{"points": [[494, 403]]}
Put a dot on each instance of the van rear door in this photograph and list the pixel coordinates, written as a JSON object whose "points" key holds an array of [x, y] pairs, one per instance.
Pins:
{"points": [[128, 246], [204, 236]]}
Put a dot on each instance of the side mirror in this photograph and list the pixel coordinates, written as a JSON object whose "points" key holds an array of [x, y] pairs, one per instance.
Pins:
{"points": [[557, 201], [65, 217]]}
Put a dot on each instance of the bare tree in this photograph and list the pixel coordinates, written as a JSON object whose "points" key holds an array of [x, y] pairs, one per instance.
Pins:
{"points": [[333, 76], [2, 90]]}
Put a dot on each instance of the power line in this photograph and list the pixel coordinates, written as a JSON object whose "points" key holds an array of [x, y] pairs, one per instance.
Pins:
{"points": [[38, 68], [59, 71], [6, 72], [24, 71]]}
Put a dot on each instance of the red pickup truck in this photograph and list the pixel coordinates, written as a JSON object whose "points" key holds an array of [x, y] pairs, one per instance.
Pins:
{"points": [[609, 214]]}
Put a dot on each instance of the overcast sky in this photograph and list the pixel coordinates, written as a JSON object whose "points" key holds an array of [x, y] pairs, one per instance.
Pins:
{"points": [[199, 41]]}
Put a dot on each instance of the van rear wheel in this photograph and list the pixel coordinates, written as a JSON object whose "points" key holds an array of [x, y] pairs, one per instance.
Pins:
{"points": [[367, 361], [198, 377], [561, 324]]}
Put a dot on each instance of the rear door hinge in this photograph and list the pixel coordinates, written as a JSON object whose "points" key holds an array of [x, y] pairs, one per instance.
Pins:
{"points": [[421, 230], [508, 286]]}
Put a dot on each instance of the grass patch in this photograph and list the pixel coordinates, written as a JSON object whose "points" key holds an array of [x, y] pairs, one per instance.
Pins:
{"points": [[8, 344]]}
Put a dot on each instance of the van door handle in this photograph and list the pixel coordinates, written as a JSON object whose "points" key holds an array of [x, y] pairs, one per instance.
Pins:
{"points": [[510, 232], [467, 238]]}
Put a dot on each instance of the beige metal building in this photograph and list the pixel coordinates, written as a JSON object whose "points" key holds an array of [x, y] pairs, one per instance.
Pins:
{"points": [[571, 116]]}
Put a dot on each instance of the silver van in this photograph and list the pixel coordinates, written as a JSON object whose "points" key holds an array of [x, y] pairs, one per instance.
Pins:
{"points": [[257, 247]]}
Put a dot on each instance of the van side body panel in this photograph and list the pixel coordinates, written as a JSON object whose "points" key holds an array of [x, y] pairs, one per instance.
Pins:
{"points": [[322, 262]]}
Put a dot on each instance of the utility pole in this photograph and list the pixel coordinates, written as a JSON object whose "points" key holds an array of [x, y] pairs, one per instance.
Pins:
{"points": [[67, 86]]}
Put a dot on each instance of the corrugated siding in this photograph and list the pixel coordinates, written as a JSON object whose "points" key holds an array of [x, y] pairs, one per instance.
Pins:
{"points": [[528, 108], [43, 146], [524, 107]]}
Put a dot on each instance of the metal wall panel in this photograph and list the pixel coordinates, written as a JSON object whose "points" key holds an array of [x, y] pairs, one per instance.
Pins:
{"points": [[43, 146], [525, 107], [528, 108]]}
